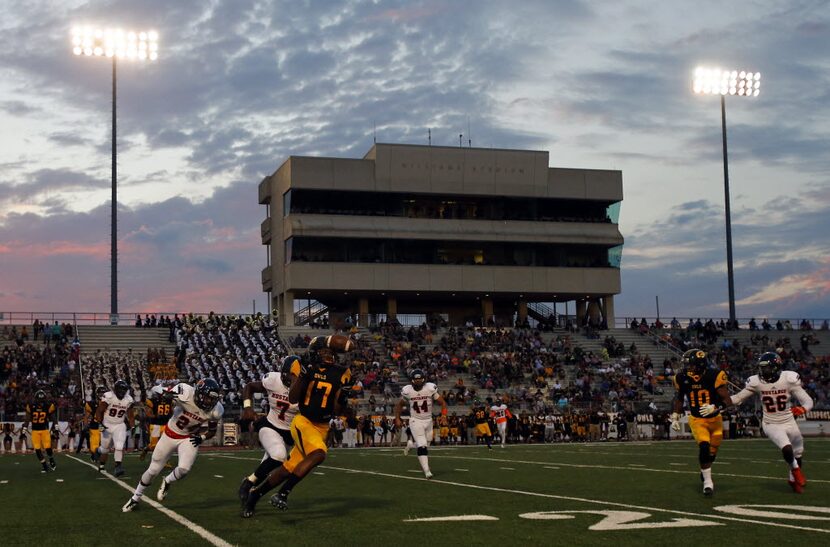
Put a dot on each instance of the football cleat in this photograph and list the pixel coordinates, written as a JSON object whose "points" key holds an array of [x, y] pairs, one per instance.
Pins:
{"points": [[708, 491], [280, 501], [101, 467], [797, 488], [119, 470], [52, 464], [94, 456], [247, 512], [244, 490], [428, 474], [798, 475], [406, 451], [129, 506], [164, 489]]}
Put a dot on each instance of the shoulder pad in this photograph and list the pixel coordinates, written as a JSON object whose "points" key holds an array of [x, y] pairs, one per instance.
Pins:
{"points": [[791, 376]]}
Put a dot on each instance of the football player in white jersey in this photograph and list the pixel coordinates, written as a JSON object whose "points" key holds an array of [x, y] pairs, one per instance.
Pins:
{"points": [[195, 408], [777, 388], [274, 430], [500, 413], [419, 394], [114, 407]]}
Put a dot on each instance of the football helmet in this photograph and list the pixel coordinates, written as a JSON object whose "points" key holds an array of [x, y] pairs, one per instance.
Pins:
{"points": [[208, 393], [695, 361], [418, 378], [769, 366], [120, 389], [40, 396], [285, 369]]}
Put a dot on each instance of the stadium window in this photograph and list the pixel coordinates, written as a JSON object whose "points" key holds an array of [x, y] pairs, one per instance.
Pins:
{"points": [[286, 203], [289, 245]]}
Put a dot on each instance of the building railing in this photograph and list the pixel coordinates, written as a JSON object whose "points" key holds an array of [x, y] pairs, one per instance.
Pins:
{"points": [[104, 318], [743, 322], [93, 318]]}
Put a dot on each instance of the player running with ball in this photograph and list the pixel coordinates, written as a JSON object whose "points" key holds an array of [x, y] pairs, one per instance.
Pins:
{"points": [[196, 407]]}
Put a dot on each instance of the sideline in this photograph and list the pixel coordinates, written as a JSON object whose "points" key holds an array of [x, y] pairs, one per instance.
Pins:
{"points": [[192, 526], [558, 497]]}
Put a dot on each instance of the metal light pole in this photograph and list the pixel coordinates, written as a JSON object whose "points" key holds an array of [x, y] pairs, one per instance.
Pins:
{"points": [[714, 81], [116, 44]]}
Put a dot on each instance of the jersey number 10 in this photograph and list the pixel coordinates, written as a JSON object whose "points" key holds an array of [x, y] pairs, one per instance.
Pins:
{"points": [[701, 399]]}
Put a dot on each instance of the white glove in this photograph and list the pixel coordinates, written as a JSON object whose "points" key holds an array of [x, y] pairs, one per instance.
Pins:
{"points": [[707, 410], [675, 421]]}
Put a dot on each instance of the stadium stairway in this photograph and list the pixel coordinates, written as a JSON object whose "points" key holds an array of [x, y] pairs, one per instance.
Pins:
{"points": [[646, 345], [123, 338]]}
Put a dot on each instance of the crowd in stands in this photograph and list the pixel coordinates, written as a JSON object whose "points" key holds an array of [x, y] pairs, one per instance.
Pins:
{"points": [[41, 357], [738, 358], [537, 373]]}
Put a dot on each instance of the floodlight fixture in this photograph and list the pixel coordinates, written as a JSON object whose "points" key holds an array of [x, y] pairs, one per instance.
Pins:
{"points": [[741, 83], [714, 81], [114, 43]]}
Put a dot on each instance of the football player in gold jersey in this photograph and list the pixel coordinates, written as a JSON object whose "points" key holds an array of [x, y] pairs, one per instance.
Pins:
{"points": [[39, 413], [157, 411], [482, 427], [319, 393], [705, 389]]}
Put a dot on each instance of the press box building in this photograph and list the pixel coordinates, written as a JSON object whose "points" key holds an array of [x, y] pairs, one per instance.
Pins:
{"points": [[471, 233]]}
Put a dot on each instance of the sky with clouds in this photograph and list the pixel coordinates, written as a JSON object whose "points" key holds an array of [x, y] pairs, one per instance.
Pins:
{"points": [[241, 84]]}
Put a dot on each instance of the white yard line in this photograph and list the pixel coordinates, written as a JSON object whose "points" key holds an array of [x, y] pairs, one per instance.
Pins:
{"points": [[190, 525], [569, 498], [619, 467]]}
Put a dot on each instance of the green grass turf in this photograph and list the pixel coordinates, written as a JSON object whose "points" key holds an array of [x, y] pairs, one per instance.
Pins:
{"points": [[365, 495]]}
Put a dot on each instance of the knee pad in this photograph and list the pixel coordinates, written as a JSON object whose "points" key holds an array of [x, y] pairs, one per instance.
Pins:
{"points": [[422, 450]]}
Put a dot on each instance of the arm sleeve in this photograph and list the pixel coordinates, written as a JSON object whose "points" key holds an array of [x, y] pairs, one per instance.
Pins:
{"points": [[742, 396], [803, 397]]}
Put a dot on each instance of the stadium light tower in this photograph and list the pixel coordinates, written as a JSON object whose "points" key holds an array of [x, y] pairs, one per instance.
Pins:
{"points": [[114, 43], [741, 83]]}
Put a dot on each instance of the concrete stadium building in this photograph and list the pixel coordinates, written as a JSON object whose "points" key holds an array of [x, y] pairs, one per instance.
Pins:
{"points": [[470, 233]]}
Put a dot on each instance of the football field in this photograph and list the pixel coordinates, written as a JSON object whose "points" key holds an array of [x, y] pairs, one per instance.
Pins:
{"points": [[571, 494]]}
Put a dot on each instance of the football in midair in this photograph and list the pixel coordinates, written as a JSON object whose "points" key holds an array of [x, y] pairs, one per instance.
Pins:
{"points": [[340, 343]]}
